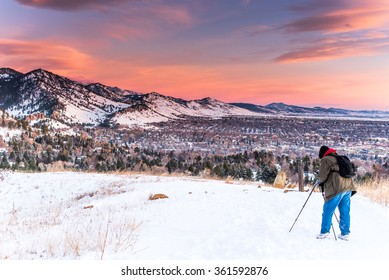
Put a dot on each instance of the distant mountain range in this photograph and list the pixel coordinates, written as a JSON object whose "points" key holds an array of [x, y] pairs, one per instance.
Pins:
{"points": [[292, 110], [70, 102]]}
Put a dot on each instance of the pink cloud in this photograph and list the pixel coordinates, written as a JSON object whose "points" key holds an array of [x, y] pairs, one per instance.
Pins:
{"points": [[26, 55], [172, 15], [318, 5], [135, 9], [320, 52], [125, 19], [344, 30], [251, 30], [133, 20], [72, 5], [341, 21], [137, 22], [335, 48]]}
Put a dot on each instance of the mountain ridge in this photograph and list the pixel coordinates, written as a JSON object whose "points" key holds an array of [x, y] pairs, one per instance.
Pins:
{"points": [[71, 102]]}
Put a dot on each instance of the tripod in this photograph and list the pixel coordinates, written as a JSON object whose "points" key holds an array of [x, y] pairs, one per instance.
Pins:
{"points": [[313, 188]]}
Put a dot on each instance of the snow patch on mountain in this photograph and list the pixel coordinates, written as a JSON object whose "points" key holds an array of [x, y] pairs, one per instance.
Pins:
{"points": [[158, 108], [139, 118]]}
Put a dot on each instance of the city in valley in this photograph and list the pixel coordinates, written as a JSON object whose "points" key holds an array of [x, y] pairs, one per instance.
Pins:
{"points": [[285, 139]]}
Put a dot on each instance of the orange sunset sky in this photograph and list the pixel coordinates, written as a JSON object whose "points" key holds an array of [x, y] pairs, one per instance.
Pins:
{"points": [[311, 53]]}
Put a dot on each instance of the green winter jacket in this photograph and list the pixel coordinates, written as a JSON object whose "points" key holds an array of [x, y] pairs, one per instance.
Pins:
{"points": [[334, 184]]}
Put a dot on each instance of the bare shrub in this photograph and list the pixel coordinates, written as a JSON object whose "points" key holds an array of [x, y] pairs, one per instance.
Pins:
{"points": [[124, 235], [89, 194], [111, 233], [72, 241], [102, 237], [118, 235], [113, 188]]}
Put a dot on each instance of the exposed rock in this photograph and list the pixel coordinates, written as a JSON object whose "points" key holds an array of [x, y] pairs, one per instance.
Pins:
{"points": [[158, 196], [34, 117]]}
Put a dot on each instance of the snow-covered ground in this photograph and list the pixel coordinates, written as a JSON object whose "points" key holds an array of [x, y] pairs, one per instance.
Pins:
{"points": [[93, 216]]}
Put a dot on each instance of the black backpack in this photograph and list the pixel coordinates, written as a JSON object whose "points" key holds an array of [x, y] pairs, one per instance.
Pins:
{"points": [[347, 169]]}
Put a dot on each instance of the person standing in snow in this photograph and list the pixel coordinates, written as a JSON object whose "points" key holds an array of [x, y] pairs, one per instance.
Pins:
{"points": [[337, 192]]}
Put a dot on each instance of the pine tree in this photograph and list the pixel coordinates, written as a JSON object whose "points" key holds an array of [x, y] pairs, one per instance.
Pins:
{"points": [[4, 164], [267, 174]]}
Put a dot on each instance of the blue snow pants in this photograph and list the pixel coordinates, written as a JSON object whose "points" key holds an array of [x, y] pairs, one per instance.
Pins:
{"points": [[342, 201]]}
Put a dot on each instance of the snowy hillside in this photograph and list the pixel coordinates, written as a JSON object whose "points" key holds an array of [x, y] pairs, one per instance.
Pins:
{"points": [[93, 216], [155, 108]]}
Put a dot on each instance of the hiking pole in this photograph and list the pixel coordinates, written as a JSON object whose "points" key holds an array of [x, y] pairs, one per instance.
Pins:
{"points": [[313, 188]]}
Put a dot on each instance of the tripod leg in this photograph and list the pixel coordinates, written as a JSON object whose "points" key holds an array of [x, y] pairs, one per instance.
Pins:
{"points": [[333, 230], [314, 186], [336, 217]]}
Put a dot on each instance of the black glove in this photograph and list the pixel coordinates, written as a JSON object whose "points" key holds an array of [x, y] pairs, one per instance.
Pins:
{"points": [[321, 185]]}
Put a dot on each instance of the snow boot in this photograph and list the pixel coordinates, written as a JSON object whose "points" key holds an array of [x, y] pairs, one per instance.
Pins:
{"points": [[323, 236], [345, 237]]}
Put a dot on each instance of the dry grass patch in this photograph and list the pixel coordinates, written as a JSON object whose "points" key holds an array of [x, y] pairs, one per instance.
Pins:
{"points": [[376, 190]]}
